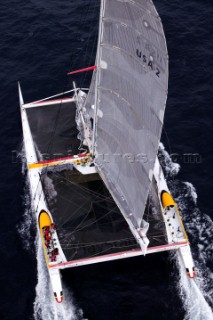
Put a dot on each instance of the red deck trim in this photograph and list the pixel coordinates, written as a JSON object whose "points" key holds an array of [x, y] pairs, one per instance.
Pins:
{"points": [[169, 245], [62, 159], [118, 254]]}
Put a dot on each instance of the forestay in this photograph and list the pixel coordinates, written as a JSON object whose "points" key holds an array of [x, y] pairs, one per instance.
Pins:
{"points": [[131, 91]]}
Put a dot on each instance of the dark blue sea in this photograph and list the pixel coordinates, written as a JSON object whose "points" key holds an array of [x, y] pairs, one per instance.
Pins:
{"points": [[39, 42]]}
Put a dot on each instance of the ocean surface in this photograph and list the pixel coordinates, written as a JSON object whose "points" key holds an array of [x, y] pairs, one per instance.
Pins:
{"points": [[39, 42]]}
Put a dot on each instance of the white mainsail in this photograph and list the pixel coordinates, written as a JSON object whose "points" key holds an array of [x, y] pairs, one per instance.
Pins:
{"points": [[131, 91]]}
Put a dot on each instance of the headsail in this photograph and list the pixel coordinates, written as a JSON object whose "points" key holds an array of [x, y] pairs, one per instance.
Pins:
{"points": [[131, 91]]}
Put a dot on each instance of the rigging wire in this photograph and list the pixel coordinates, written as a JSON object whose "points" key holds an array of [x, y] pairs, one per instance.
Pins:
{"points": [[83, 24], [77, 210], [44, 171], [88, 225], [85, 189], [50, 146], [59, 110], [170, 152], [87, 244], [95, 39], [99, 198], [102, 224], [109, 249]]}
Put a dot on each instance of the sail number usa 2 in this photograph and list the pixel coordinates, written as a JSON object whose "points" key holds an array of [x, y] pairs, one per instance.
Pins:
{"points": [[147, 61]]}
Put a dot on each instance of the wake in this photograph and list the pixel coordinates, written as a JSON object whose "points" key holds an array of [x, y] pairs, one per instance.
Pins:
{"points": [[197, 294], [193, 299], [45, 307]]}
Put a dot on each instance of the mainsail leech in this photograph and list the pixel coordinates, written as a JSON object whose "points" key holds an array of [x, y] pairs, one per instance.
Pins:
{"points": [[131, 83]]}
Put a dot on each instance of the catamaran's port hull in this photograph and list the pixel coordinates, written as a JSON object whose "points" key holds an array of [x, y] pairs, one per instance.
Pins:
{"points": [[38, 198]]}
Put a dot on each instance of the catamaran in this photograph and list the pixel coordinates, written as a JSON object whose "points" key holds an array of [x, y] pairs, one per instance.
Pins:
{"points": [[97, 186]]}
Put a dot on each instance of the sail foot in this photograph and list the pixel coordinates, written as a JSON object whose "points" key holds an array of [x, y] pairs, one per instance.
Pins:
{"points": [[140, 235], [83, 120], [143, 240]]}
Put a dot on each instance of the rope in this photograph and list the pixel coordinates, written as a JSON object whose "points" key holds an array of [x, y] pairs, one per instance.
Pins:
{"points": [[90, 224], [90, 192], [88, 244], [108, 249]]}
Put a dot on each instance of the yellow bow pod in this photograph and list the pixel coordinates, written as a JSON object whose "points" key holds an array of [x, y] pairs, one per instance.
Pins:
{"points": [[167, 199], [44, 220]]}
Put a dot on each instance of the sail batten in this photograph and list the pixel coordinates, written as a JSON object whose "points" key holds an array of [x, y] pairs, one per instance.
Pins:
{"points": [[130, 83]]}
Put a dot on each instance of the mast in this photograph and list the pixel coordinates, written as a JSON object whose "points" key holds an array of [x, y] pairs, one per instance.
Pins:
{"points": [[97, 76]]}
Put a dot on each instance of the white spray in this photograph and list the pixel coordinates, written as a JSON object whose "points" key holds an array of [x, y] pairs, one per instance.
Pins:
{"points": [[45, 307], [194, 293], [197, 295]]}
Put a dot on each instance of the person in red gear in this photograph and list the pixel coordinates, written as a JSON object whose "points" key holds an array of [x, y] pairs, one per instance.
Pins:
{"points": [[56, 251], [46, 230], [53, 257], [47, 244]]}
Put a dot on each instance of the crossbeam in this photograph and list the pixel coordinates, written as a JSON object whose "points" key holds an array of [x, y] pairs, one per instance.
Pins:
{"points": [[28, 105], [76, 159], [119, 255], [49, 103]]}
